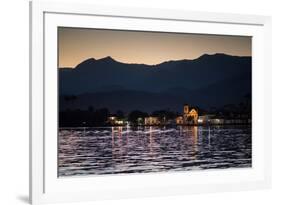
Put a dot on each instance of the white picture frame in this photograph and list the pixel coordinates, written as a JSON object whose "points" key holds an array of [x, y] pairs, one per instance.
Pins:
{"points": [[46, 187]]}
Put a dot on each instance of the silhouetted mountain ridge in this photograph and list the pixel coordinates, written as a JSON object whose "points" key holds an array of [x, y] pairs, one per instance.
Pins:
{"points": [[209, 80]]}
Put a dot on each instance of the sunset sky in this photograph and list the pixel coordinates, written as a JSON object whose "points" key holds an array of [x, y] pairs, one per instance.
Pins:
{"points": [[78, 44]]}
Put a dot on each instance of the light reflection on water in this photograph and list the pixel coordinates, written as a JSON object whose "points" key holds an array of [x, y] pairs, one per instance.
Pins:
{"points": [[113, 150]]}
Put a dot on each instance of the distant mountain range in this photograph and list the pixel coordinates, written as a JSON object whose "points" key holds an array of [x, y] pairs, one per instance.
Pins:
{"points": [[210, 80]]}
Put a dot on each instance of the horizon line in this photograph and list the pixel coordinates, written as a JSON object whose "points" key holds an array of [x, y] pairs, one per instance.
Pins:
{"points": [[166, 61]]}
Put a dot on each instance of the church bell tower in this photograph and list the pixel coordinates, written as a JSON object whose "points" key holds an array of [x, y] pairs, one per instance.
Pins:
{"points": [[185, 109]]}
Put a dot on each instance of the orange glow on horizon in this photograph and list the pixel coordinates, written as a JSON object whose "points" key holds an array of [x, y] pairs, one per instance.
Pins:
{"points": [[77, 44]]}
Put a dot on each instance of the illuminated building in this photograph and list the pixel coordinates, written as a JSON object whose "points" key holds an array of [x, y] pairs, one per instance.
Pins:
{"points": [[190, 116], [151, 121]]}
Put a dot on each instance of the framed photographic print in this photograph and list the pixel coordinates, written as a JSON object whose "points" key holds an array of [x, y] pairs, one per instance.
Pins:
{"points": [[129, 102]]}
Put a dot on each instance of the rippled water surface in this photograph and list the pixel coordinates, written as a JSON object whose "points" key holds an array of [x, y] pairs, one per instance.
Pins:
{"points": [[113, 150]]}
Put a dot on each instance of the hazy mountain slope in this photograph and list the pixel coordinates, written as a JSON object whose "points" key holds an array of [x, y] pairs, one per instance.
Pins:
{"points": [[95, 75], [210, 80]]}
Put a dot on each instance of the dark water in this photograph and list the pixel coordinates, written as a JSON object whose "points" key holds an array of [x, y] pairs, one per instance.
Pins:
{"points": [[152, 149]]}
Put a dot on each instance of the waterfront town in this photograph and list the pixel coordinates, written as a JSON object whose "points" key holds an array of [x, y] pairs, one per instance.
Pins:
{"points": [[190, 116]]}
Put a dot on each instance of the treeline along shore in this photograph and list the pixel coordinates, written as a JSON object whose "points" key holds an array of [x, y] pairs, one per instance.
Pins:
{"points": [[227, 115]]}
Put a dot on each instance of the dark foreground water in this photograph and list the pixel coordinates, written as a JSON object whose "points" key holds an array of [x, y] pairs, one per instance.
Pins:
{"points": [[85, 151]]}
